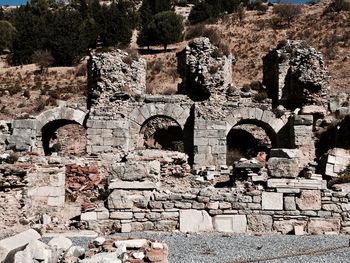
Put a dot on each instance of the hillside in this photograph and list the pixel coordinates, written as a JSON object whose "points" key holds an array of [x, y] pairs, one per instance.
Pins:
{"points": [[22, 89]]}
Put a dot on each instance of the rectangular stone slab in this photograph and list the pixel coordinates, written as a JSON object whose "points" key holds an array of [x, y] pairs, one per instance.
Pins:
{"points": [[132, 185], [297, 183]]}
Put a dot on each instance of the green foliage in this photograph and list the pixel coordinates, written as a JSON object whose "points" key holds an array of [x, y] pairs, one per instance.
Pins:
{"points": [[67, 42], [68, 30], [165, 28], [204, 10], [7, 34], [115, 24]]}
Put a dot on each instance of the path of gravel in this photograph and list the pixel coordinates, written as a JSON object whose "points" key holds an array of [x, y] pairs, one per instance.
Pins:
{"points": [[219, 248]]}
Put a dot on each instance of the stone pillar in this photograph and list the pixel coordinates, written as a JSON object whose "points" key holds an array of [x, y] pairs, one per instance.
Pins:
{"points": [[304, 137], [209, 143]]}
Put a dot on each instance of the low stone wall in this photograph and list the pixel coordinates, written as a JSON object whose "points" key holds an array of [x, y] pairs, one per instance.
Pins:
{"points": [[286, 206]]}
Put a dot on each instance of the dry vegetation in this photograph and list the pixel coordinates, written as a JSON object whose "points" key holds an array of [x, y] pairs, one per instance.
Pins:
{"points": [[28, 90], [24, 89], [253, 37]]}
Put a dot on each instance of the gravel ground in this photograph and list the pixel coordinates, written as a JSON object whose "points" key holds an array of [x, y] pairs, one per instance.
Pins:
{"points": [[219, 248]]}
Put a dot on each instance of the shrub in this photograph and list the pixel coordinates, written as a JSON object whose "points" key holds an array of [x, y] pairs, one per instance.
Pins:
{"points": [[15, 89], [337, 6], [287, 12], [26, 94], [43, 58]]}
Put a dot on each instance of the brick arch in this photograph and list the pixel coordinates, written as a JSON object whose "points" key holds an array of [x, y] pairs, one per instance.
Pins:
{"points": [[174, 111], [263, 118], [60, 113]]}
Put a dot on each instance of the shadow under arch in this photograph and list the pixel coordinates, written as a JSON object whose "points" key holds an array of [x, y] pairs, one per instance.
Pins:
{"points": [[48, 132], [162, 132], [241, 142]]}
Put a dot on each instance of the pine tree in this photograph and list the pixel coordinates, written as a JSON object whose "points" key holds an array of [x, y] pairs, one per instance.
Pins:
{"points": [[166, 28]]}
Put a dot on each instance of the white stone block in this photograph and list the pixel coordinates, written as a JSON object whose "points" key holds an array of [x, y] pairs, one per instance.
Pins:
{"points": [[55, 201], [272, 201], [230, 223], [88, 216], [195, 221], [9, 246]]}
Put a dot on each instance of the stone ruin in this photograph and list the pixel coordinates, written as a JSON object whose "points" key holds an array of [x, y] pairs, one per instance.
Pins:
{"points": [[214, 157]]}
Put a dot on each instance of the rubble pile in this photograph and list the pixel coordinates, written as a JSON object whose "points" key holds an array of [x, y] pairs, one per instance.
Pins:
{"points": [[83, 180], [26, 247]]}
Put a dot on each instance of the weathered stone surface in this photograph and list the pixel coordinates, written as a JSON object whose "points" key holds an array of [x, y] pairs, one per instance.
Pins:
{"points": [[283, 167], [120, 199], [61, 243], [298, 183], [9, 246], [300, 76], [309, 200], [195, 221], [109, 73], [272, 201], [198, 64], [132, 243], [287, 226], [322, 226], [259, 223], [289, 203], [230, 223], [132, 185]]}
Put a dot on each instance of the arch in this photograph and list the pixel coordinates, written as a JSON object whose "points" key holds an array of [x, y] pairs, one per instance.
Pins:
{"points": [[263, 118], [162, 132], [49, 132], [172, 110], [60, 113]]}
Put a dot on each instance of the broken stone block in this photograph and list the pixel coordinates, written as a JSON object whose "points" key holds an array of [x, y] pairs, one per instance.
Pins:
{"points": [[61, 243], [259, 223], [287, 226], [230, 223], [132, 243], [285, 153], [309, 200], [120, 199], [272, 201], [319, 226], [195, 221], [283, 167], [9, 246]]}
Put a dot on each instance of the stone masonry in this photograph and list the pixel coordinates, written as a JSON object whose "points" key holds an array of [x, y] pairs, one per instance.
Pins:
{"points": [[122, 184]]}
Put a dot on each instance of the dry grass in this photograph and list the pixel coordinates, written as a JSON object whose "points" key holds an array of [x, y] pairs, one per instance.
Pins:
{"points": [[22, 89]]}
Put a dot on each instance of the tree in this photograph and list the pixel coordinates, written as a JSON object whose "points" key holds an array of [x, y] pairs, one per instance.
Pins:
{"points": [[7, 34], [115, 24], [67, 42], [32, 22], [200, 12], [165, 28], [287, 12]]}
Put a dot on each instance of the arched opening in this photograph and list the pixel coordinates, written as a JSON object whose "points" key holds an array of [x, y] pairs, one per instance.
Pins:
{"points": [[247, 140], [66, 137], [162, 132]]}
